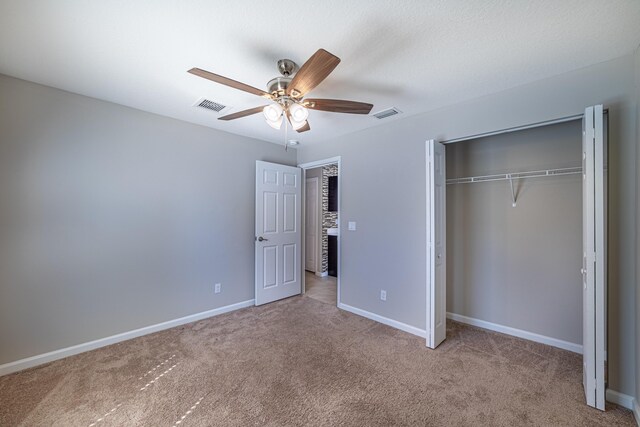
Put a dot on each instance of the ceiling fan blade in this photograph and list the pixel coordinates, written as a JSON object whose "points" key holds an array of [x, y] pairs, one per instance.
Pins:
{"points": [[243, 113], [229, 82], [312, 73], [304, 128], [338, 106]]}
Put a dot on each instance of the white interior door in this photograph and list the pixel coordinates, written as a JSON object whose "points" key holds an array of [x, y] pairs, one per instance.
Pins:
{"points": [[311, 224], [278, 235], [436, 244], [593, 264]]}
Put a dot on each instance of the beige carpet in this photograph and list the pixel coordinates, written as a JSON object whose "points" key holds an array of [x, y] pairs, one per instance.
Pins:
{"points": [[301, 362]]}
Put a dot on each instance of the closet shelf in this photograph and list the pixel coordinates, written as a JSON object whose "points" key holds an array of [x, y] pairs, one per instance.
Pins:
{"points": [[515, 175]]}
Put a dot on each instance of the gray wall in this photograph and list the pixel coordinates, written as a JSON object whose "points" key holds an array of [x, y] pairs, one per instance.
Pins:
{"points": [[388, 249], [518, 267], [113, 219]]}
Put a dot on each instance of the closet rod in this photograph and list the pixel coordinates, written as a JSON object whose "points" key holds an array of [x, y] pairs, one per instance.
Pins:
{"points": [[515, 175]]}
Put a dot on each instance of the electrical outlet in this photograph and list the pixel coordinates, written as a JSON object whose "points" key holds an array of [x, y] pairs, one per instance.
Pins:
{"points": [[216, 288], [383, 295]]}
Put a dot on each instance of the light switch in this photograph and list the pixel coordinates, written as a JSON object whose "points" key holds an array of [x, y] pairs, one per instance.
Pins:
{"points": [[352, 226]]}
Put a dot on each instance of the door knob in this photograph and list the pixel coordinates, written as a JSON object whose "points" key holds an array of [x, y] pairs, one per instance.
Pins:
{"points": [[262, 239]]}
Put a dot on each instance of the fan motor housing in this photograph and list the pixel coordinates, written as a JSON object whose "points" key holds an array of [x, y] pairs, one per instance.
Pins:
{"points": [[278, 86]]}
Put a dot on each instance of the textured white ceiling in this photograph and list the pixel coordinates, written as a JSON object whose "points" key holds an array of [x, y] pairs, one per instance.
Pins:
{"points": [[414, 55]]}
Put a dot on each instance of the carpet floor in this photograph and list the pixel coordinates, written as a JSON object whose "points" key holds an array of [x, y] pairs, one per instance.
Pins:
{"points": [[301, 362]]}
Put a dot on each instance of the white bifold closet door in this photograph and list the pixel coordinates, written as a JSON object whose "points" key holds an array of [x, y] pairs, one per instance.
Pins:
{"points": [[594, 251], [436, 244], [278, 237], [593, 262]]}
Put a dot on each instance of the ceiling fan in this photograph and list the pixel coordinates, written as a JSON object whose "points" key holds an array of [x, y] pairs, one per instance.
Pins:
{"points": [[288, 93]]}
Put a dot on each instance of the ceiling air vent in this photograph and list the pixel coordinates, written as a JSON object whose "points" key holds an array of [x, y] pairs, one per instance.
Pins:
{"points": [[210, 105], [386, 113]]}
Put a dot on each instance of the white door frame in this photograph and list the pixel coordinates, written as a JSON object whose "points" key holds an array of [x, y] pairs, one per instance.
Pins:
{"points": [[310, 165], [318, 223]]}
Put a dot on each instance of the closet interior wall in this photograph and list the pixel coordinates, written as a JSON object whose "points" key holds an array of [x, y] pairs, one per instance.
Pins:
{"points": [[517, 266]]}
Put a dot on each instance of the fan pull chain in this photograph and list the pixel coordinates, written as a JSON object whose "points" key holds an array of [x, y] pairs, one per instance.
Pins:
{"points": [[286, 131]]}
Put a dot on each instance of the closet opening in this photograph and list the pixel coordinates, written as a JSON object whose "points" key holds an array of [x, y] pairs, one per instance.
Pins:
{"points": [[518, 244], [514, 233]]}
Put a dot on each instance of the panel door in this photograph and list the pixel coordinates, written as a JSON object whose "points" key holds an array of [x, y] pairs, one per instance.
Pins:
{"points": [[278, 233], [593, 260], [436, 244]]}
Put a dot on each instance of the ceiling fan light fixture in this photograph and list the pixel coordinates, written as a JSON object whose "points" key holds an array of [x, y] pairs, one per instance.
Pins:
{"points": [[295, 124], [298, 113], [287, 93], [273, 114], [275, 124]]}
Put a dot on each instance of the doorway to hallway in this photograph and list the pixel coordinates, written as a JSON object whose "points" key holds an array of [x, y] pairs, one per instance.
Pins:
{"points": [[323, 289], [321, 260]]}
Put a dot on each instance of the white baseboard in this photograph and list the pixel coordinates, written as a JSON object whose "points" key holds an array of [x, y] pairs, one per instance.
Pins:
{"points": [[30, 362], [385, 320], [576, 348], [322, 274], [623, 400], [636, 411]]}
